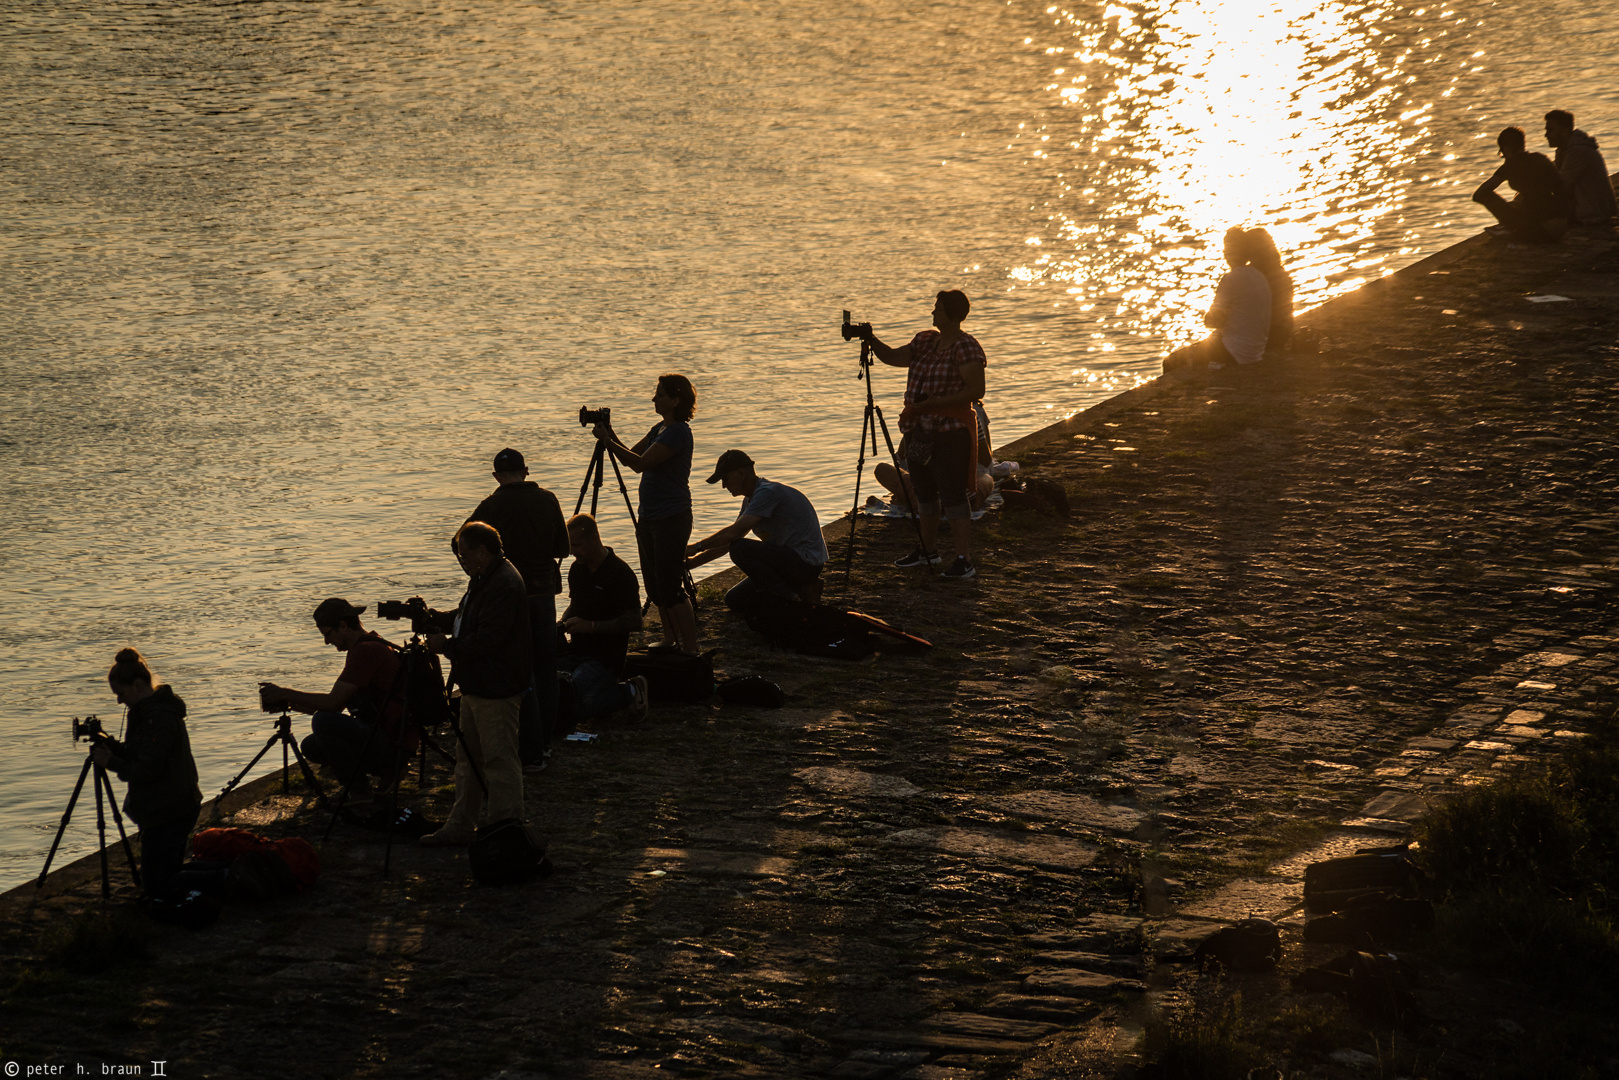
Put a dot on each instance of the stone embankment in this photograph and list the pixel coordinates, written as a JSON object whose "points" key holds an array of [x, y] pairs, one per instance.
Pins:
{"points": [[1291, 607]]}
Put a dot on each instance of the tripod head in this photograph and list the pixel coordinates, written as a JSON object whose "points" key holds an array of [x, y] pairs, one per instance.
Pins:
{"points": [[863, 331]]}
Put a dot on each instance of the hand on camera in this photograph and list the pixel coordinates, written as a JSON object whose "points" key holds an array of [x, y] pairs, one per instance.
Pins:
{"points": [[436, 642], [101, 753], [575, 625], [604, 433]]}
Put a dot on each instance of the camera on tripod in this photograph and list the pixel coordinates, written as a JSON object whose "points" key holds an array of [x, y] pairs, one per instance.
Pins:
{"points": [[855, 330], [592, 417], [415, 609], [88, 728]]}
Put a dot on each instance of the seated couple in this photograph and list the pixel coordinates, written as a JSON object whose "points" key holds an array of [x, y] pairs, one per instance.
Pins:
{"points": [[1252, 313]]}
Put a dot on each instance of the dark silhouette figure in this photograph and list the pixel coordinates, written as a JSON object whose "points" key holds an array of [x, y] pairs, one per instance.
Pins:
{"points": [[1268, 261], [1584, 173], [1540, 212], [1240, 315]]}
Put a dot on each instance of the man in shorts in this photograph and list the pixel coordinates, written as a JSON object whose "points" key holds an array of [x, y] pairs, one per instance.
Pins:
{"points": [[944, 376]]}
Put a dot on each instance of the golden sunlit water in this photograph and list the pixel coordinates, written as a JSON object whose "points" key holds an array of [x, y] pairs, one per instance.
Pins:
{"points": [[280, 278]]}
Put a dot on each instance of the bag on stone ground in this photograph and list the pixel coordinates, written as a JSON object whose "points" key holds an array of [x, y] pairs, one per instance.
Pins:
{"points": [[752, 690], [1332, 884], [1373, 918], [260, 875], [504, 853], [673, 677], [1247, 945], [406, 821], [1035, 496], [815, 630]]}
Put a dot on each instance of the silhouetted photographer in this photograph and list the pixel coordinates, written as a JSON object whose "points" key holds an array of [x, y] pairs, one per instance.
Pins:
{"points": [[354, 726]]}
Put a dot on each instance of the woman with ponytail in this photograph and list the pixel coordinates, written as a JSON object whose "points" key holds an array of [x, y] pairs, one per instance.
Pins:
{"points": [[154, 760]]}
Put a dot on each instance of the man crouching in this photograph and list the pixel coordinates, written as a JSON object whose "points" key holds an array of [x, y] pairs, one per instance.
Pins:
{"points": [[489, 657]]}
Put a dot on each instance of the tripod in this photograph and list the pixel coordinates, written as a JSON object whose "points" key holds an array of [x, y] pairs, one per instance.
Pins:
{"points": [[869, 426], [282, 735], [594, 473], [103, 788]]}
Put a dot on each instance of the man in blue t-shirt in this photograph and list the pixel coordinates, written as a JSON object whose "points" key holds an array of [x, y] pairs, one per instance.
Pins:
{"points": [[790, 553]]}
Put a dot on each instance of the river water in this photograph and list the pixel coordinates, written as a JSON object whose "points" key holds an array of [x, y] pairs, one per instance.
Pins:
{"points": [[280, 278]]}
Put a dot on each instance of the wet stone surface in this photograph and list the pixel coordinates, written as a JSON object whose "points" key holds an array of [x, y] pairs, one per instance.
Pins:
{"points": [[1312, 599]]}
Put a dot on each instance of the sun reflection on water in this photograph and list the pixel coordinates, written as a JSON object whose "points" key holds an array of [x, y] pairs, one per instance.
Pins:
{"points": [[1177, 124]]}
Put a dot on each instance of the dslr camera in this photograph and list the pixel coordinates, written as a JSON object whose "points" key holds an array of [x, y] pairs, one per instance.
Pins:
{"points": [[592, 417], [415, 609], [852, 330], [88, 728]]}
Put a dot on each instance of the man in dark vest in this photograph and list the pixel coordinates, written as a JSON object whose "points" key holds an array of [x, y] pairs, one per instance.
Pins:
{"points": [[529, 521]]}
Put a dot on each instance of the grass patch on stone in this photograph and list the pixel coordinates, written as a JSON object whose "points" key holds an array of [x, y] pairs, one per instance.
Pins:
{"points": [[1529, 870]]}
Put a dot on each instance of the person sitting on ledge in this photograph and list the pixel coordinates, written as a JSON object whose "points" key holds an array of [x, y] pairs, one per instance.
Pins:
{"points": [[1584, 173], [1268, 261], [787, 559], [604, 608], [897, 481], [1539, 213], [1240, 315]]}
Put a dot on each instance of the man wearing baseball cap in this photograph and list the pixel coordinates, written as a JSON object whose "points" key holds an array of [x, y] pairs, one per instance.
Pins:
{"points": [[790, 553], [363, 740]]}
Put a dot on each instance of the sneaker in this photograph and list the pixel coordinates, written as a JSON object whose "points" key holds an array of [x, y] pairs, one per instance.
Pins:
{"points": [[961, 568], [639, 699], [446, 837], [918, 557]]}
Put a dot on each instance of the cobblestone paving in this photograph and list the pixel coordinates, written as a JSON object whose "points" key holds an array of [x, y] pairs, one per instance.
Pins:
{"points": [[1289, 608]]}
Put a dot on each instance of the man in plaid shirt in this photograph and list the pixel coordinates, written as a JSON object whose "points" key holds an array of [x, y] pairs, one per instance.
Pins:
{"points": [[945, 376]]}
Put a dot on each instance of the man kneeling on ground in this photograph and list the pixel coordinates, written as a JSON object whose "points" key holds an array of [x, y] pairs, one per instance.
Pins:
{"points": [[604, 607], [790, 553], [351, 743]]}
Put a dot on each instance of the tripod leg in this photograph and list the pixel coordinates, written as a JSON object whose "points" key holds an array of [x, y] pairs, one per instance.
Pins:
{"points": [[866, 425], [230, 787], [591, 470], [67, 815], [118, 820], [101, 831]]}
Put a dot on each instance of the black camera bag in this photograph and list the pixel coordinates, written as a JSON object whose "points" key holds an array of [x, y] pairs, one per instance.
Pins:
{"points": [[1246, 945], [1333, 884], [673, 677], [503, 853]]}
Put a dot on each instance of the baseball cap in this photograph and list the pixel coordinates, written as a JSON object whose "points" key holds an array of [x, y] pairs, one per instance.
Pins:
{"points": [[731, 459], [335, 610], [509, 460]]}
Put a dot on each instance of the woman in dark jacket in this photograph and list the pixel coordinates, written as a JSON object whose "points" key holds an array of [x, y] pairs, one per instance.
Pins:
{"points": [[154, 759]]}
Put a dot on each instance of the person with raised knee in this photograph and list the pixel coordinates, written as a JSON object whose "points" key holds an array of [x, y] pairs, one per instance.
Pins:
{"points": [[1539, 213], [1579, 162], [790, 553]]}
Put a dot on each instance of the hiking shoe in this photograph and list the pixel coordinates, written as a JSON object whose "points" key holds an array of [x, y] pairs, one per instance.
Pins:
{"points": [[446, 837], [639, 702], [918, 557], [961, 568]]}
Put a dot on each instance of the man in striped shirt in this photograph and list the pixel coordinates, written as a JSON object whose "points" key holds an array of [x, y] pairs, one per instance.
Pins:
{"points": [[945, 375]]}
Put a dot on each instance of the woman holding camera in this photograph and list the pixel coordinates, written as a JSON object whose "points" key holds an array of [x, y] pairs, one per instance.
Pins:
{"points": [[663, 458], [154, 760]]}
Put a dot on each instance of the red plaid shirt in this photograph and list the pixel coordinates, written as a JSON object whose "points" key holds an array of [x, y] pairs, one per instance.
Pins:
{"points": [[933, 372]]}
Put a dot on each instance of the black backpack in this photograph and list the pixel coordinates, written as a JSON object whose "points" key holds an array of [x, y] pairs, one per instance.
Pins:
{"points": [[673, 677], [1247, 945], [503, 853], [1332, 884]]}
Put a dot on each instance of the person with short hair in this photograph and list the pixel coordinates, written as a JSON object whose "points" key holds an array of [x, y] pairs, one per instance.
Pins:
{"points": [[529, 520], [790, 553], [154, 760], [604, 608], [944, 376], [1579, 162], [1540, 211], [354, 726], [488, 648], [663, 524], [1240, 315]]}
